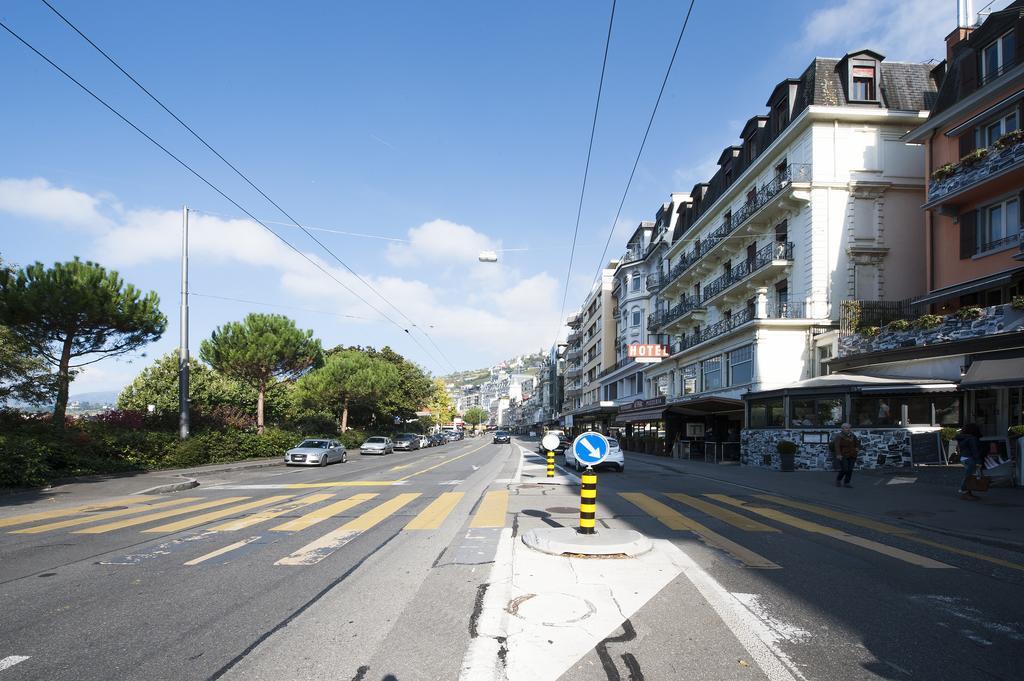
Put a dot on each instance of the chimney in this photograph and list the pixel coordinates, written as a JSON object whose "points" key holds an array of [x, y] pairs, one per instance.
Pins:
{"points": [[964, 26]]}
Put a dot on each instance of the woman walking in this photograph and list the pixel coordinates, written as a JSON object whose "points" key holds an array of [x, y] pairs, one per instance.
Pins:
{"points": [[969, 445]]}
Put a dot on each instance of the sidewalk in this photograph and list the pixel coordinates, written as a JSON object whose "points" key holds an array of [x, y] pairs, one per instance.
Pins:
{"points": [[903, 497], [92, 488]]}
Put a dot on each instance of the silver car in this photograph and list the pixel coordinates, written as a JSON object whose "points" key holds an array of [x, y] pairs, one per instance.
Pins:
{"points": [[377, 445], [316, 453]]}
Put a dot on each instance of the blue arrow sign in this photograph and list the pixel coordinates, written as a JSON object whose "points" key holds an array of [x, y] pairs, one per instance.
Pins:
{"points": [[590, 448]]}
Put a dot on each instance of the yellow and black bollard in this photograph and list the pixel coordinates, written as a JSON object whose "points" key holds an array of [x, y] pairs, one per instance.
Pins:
{"points": [[588, 501], [551, 464]]}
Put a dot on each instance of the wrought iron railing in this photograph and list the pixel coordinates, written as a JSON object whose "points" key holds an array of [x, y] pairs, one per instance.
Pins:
{"points": [[964, 177], [988, 77], [655, 282], [685, 306], [777, 250], [998, 244], [783, 309]]}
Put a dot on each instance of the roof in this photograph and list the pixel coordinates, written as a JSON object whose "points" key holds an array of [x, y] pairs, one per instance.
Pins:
{"points": [[904, 86], [851, 380]]}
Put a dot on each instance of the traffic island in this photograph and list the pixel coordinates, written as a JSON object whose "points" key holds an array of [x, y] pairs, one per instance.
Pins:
{"points": [[561, 541]]}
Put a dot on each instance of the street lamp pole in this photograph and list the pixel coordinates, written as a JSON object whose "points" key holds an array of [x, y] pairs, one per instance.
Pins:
{"points": [[183, 410]]}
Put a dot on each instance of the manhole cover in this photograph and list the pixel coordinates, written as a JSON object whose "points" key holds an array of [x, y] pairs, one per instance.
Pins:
{"points": [[563, 509], [551, 609]]}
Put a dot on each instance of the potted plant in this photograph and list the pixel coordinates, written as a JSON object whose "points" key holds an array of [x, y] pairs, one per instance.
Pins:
{"points": [[973, 158], [787, 455], [944, 171]]}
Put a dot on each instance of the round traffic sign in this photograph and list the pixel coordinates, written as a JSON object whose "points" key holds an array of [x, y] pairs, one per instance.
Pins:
{"points": [[590, 448], [550, 442]]}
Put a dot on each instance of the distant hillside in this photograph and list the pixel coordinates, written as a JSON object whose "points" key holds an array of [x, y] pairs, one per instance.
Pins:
{"points": [[524, 364]]}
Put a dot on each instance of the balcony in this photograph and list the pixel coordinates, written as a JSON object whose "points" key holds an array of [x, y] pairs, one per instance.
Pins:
{"points": [[631, 255], [988, 174], [573, 370], [574, 337], [676, 313], [618, 365], [766, 261], [794, 172], [573, 351], [655, 282], [778, 310]]}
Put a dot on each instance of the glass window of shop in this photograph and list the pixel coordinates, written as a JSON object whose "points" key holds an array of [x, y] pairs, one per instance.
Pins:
{"points": [[712, 370], [767, 413], [816, 412], [898, 411]]}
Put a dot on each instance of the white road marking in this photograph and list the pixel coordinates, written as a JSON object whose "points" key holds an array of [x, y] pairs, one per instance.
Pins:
{"points": [[12, 660], [783, 630], [452, 482]]}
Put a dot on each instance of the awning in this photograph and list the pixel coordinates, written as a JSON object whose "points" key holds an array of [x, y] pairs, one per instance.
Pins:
{"points": [[974, 286], [985, 372], [640, 415], [707, 405]]}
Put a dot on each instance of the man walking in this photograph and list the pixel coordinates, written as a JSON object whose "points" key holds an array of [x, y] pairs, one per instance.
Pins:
{"points": [[845, 446]]}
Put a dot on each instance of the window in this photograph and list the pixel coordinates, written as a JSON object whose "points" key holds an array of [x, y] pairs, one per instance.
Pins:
{"points": [[767, 413], [824, 354], [906, 410], [712, 370], [816, 412], [997, 56], [780, 114], [986, 134], [741, 366], [998, 225], [636, 317], [635, 284], [862, 82]]}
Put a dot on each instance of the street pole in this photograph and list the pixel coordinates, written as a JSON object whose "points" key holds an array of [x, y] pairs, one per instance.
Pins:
{"points": [[183, 411]]}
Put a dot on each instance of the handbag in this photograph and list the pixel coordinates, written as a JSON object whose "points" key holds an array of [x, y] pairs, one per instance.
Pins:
{"points": [[978, 483]]}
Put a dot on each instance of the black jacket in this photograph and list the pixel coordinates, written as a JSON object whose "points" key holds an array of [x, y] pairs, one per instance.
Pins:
{"points": [[969, 445]]}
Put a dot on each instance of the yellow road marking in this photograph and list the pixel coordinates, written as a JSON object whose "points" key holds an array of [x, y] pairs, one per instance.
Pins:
{"points": [[319, 549], [675, 520], [149, 517], [404, 465], [433, 515], [351, 483], [215, 515], [887, 529], [221, 551], [64, 512], [324, 513], [446, 461], [269, 514], [815, 528], [102, 516], [491, 512], [724, 514]]}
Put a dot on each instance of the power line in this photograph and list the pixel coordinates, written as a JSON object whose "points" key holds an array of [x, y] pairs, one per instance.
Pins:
{"points": [[243, 176], [586, 168], [283, 307], [205, 181], [643, 143]]}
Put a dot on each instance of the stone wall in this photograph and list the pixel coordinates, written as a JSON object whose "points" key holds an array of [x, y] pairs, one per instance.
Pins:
{"points": [[994, 320], [879, 448]]}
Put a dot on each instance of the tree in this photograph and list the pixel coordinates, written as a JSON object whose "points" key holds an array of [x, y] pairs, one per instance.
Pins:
{"points": [[157, 384], [260, 351], [440, 403], [348, 377], [474, 416], [416, 388], [76, 310], [23, 376]]}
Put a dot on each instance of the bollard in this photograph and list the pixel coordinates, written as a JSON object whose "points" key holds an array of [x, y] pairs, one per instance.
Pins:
{"points": [[588, 501], [551, 464]]}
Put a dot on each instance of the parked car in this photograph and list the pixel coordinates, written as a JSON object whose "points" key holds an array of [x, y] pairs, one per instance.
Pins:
{"points": [[615, 458], [312, 452], [377, 445], [425, 442], [436, 439], [501, 437], [407, 441]]}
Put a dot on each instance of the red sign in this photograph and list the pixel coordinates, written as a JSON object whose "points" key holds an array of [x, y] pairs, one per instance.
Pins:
{"points": [[648, 351]]}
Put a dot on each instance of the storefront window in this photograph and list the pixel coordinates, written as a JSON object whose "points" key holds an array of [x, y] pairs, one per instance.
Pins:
{"points": [[767, 413], [1016, 406], [816, 412], [712, 373], [887, 411], [741, 366]]}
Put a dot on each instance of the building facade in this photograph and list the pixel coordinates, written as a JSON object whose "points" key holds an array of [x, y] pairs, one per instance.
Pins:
{"points": [[588, 353]]}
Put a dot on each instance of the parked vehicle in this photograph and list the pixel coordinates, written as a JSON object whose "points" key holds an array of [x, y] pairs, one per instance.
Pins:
{"points": [[315, 453], [501, 437], [407, 441], [377, 445], [437, 439], [615, 458], [424, 442]]}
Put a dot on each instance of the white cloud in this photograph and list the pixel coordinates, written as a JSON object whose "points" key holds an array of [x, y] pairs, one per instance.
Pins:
{"points": [[441, 240], [37, 199], [902, 30]]}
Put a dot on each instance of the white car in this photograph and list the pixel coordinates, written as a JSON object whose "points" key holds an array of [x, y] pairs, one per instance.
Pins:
{"points": [[315, 453], [424, 442], [614, 459]]}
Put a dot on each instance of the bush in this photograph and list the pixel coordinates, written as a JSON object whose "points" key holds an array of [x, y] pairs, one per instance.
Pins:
{"points": [[944, 171], [927, 321], [1014, 432], [323, 425], [974, 157], [1010, 139], [1017, 302], [352, 438], [786, 447], [947, 433], [898, 325], [968, 313], [869, 331]]}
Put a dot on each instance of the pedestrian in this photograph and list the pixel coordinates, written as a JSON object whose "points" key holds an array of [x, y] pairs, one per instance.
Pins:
{"points": [[968, 442], [845, 446]]}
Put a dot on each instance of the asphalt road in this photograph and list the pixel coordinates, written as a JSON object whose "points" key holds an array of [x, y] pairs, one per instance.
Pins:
{"points": [[398, 568]]}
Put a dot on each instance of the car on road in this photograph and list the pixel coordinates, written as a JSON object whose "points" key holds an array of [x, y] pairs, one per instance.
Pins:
{"points": [[425, 442], [437, 439], [615, 458], [407, 442], [502, 437], [377, 445], [315, 452]]}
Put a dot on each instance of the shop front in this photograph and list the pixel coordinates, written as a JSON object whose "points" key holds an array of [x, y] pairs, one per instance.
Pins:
{"points": [[640, 426], [595, 418], [994, 385], [705, 428]]}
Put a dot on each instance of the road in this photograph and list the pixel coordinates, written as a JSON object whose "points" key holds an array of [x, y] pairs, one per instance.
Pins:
{"points": [[408, 567]]}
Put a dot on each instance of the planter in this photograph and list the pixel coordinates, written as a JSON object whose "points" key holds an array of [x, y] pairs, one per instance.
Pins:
{"points": [[787, 462]]}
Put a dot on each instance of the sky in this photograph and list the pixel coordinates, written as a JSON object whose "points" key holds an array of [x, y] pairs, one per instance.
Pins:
{"points": [[439, 129]]}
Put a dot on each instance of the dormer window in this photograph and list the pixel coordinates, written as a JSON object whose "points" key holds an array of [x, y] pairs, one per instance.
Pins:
{"points": [[780, 116], [997, 56], [862, 82]]}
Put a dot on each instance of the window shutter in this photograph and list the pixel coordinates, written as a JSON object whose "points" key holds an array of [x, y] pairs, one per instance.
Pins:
{"points": [[968, 73], [967, 143], [968, 234]]}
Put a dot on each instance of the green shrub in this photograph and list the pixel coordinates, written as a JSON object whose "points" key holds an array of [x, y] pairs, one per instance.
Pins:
{"points": [[786, 447], [944, 171], [898, 325], [352, 438], [322, 425], [974, 157], [1017, 302], [947, 433], [968, 313], [1014, 432], [1009, 139], [927, 321], [869, 331]]}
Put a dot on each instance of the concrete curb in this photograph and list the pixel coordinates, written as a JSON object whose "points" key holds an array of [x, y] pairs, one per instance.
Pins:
{"points": [[278, 461], [559, 541], [187, 483]]}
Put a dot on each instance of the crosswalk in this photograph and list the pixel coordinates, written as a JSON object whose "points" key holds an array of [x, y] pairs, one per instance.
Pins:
{"points": [[727, 523]]}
